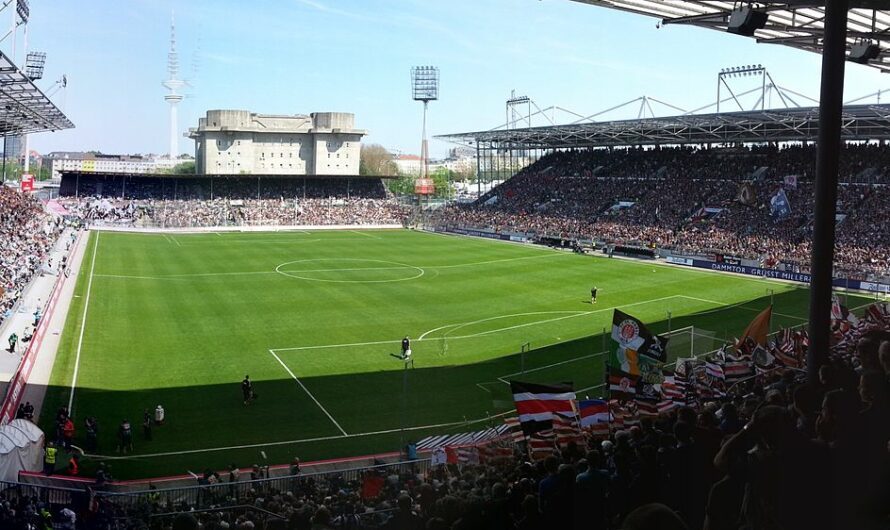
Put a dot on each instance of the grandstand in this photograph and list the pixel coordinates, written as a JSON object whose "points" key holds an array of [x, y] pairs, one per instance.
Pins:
{"points": [[686, 201]]}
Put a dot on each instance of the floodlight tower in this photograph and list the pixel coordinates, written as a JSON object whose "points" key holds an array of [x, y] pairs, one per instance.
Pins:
{"points": [[173, 84], [424, 87], [34, 63], [743, 71]]}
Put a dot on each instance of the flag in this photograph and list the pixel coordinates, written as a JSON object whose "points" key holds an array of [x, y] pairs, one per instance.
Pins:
{"points": [[616, 415], [780, 208], [593, 411], [735, 370], [541, 444], [622, 386], [747, 195], [666, 405], [839, 312], [631, 415], [789, 347], [791, 181], [646, 391], [671, 390], [757, 330], [714, 370], [514, 430], [567, 430], [763, 360], [878, 313], [467, 455], [537, 404], [647, 409], [631, 335], [491, 452]]}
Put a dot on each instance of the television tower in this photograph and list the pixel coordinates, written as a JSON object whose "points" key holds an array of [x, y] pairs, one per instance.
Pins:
{"points": [[173, 84]]}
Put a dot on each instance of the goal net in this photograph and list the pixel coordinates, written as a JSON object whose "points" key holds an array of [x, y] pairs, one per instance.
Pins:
{"points": [[691, 341]]}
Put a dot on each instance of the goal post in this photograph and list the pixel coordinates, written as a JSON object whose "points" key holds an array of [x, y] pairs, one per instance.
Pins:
{"points": [[691, 341]]}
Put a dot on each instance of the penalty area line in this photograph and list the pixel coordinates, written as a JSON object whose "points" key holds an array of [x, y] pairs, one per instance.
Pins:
{"points": [[741, 305], [328, 414]]}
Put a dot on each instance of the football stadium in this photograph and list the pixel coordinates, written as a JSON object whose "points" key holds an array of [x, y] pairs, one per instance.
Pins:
{"points": [[656, 321]]}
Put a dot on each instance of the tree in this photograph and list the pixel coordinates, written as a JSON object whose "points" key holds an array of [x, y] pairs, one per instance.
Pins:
{"points": [[442, 179], [404, 185], [13, 170], [184, 168], [375, 160]]}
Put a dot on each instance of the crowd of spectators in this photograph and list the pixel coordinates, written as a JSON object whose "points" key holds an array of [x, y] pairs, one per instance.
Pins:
{"points": [[198, 202], [27, 235], [714, 201]]}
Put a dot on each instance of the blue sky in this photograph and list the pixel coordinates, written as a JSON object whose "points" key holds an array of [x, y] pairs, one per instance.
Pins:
{"points": [[301, 56]]}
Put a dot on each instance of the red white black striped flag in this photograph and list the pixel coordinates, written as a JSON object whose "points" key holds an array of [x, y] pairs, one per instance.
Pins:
{"points": [[537, 404]]}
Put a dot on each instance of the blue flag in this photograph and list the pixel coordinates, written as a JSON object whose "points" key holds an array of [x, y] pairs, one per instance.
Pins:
{"points": [[779, 206]]}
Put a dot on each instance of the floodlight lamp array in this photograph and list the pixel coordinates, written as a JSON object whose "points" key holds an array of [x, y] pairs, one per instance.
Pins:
{"points": [[742, 71], [425, 83], [34, 63], [23, 10]]}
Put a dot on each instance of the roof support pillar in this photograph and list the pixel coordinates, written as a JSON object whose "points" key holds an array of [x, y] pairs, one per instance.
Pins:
{"points": [[828, 151]]}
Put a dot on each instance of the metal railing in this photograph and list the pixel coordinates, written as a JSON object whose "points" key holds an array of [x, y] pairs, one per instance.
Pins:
{"points": [[201, 496]]}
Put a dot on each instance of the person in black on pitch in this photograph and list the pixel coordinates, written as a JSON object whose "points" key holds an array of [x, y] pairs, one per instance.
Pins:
{"points": [[593, 295], [406, 345], [247, 389]]}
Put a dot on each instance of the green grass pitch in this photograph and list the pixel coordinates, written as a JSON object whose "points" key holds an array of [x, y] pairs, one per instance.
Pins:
{"points": [[313, 318]]}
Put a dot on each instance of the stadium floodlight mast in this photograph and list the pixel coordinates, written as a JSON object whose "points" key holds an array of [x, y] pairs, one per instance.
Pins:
{"points": [[425, 88], [742, 71]]}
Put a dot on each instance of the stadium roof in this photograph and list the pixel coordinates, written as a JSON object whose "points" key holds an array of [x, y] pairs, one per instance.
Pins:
{"points": [[24, 108], [795, 23], [860, 122]]}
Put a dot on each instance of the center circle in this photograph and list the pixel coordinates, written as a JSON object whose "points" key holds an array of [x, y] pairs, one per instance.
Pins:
{"points": [[349, 270]]}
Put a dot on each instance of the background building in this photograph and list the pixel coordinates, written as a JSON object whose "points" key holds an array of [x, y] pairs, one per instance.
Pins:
{"points": [[241, 142], [407, 164], [59, 161]]}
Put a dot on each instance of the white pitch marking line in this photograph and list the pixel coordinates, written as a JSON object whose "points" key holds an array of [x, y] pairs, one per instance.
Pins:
{"points": [[246, 273], [83, 325], [464, 324], [567, 361], [364, 234], [481, 333], [305, 440], [183, 276], [493, 261], [355, 269], [590, 388], [328, 414], [741, 306]]}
